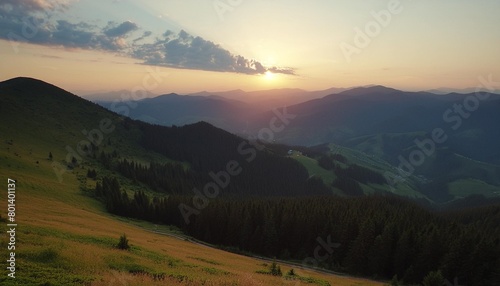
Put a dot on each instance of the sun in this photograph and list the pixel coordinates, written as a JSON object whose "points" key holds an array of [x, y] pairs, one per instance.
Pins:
{"points": [[269, 75]]}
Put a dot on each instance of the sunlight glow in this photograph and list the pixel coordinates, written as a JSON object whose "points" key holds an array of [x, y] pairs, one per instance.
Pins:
{"points": [[269, 75]]}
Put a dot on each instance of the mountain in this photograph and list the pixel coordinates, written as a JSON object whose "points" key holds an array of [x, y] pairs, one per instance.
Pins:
{"points": [[122, 95], [274, 98], [377, 110], [230, 110], [447, 90], [388, 124], [173, 109]]}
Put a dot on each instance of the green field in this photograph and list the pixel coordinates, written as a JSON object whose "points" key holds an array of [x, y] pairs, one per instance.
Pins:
{"points": [[466, 187], [314, 169]]}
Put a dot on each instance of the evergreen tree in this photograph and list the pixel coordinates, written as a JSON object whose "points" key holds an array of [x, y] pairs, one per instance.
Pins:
{"points": [[275, 269], [394, 281], [123, 243], [434, 278]]}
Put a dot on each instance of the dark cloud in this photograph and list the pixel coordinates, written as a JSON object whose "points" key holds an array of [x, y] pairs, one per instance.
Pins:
{"points": [[144, 36], [29, 21], [38, 30], [290, 71], [120, 30], [72, 35], [186, 51]]}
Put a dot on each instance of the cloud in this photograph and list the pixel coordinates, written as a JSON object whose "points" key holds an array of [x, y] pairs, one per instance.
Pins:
{"points": [[65, 34], [28, 20], [290, 71], [183, 50], [31, 21], [120, 30], [33, 5], [71, 35], [144, 36], [85, 36]]}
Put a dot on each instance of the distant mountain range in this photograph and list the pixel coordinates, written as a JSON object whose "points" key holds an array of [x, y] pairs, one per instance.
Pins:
{"points": [[274, 98], [391, 125], [234, 110], [341, 118], [263, 99], [347, 117], [446, 90], [173, 109]]}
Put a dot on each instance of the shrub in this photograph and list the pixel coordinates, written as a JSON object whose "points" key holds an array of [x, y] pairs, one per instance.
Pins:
{"points": [[275, 269], [123, 243]]}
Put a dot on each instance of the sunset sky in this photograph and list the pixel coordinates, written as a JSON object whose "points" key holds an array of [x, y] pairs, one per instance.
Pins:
{"points": [[91, 46]]}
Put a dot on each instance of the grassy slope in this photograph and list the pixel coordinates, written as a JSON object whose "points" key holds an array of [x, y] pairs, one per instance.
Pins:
{"points": [[405, 188], [466, 176], [64, 237], [313, 168], [466, 187]]}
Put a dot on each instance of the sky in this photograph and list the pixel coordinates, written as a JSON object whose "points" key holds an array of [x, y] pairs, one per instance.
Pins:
{"points": [[186, 46]]}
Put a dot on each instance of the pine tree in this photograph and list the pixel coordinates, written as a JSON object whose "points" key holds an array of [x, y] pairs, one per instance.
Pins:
{"points": [[394, 281], [434, 278], [275, 269], [123, 243]]}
